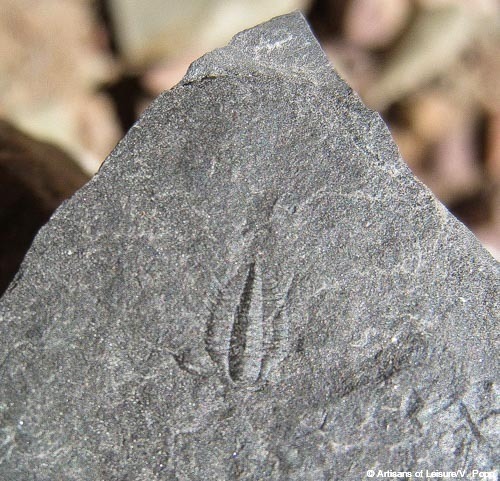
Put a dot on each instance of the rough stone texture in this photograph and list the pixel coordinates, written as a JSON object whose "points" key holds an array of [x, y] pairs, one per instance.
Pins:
{"points": [[253, 287]]}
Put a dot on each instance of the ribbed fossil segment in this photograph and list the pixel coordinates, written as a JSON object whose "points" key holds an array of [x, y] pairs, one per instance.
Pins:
{"points": [[245, 346], [253, 287], [234, 334], [239, 337]]}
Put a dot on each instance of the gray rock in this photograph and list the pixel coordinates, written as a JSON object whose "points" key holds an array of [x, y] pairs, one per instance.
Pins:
{"points": [[253, 287]]}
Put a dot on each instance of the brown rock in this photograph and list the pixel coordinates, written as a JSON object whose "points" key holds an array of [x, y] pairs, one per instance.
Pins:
{"points": [[493, 148], [375, 23], [35, 177], [456, 171]]}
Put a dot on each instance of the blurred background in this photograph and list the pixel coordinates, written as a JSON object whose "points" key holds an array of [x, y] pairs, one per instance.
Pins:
{"points": [[76, 74]]}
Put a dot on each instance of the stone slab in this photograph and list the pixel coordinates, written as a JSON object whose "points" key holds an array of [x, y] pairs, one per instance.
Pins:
{"points": [[254, 286]]}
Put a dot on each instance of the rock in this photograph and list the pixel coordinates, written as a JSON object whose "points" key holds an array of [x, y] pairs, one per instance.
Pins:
{"points": [[35, 177], [456, 166], [376, 23], [254, 286], [431, 45], [493, 148], [51, 67]]}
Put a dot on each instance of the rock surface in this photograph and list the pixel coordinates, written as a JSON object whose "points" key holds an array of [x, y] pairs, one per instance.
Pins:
{"points": [[253, 287]]}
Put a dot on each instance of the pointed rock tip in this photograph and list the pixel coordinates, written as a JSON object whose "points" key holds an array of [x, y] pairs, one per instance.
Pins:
{"points": [[284, 44]]}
